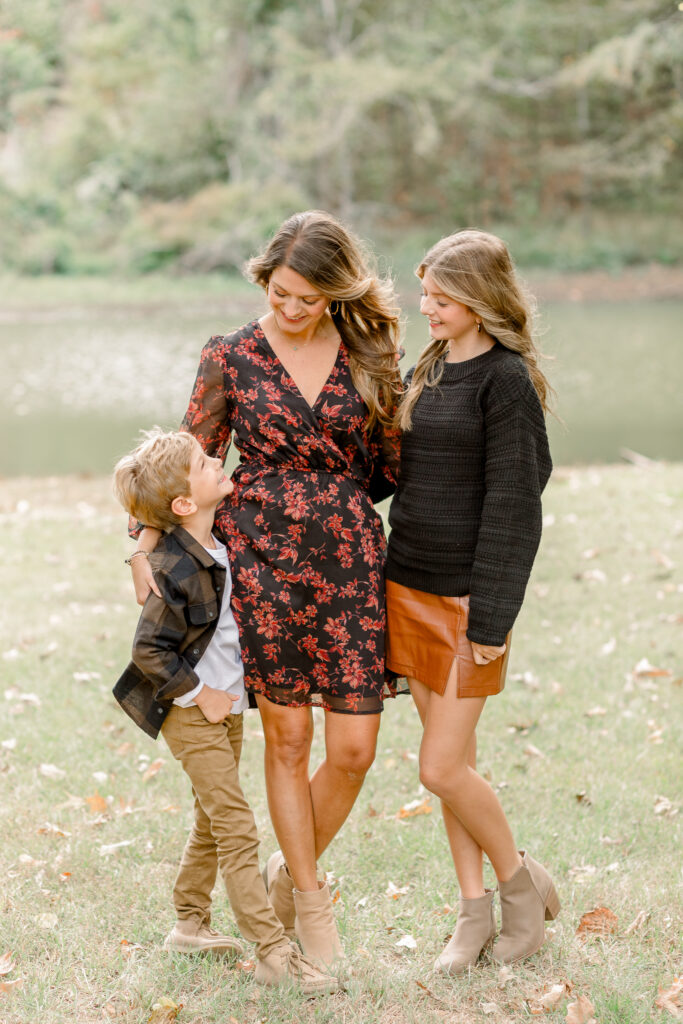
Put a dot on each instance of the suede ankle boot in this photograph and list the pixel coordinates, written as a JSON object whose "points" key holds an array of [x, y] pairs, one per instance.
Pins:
{"points": [[315, 926], [526, 900], [279, 886], [475, 927]]}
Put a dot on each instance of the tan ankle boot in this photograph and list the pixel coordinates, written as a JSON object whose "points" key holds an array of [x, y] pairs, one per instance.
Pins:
{"points": [[475, 927], [286, 965], [315, 926], [526, 900], [279, 886]]}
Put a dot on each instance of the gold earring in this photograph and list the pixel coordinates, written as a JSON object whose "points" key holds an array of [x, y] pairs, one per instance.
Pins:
{"points": [[333, 312], [478, 326]]}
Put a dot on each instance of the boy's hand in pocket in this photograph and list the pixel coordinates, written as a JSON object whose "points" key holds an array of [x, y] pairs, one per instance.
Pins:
{"points": [[214, 704]]}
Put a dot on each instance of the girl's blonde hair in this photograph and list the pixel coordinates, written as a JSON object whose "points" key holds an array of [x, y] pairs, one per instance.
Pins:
{"points": [[476, 269], [362, 305]]}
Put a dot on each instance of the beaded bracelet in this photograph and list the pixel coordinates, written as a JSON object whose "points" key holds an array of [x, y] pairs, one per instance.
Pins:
{"points": [[128, 561]]}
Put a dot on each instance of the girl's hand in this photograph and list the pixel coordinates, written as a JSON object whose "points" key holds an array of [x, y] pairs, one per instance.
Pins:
{"points": [[143, 577], [484, 653]]}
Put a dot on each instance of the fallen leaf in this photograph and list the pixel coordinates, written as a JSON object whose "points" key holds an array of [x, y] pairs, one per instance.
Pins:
{"points": [[644, 668], [170, 809], [65, 876], [6, 963], [164, 1012], [415, 807], [550, 999], [245, 965], [662, 559], [48, 921], [583, 798], [86, 677], [96, 803], [600, 921], [637, 923], [610, 647], [664, 807], [8, 744], [407, 941], [670, 998], [489, 1008], [100, 777], [590, 553], [48, 829], [596, 712], [153, 769], [125, 748], [127, 948], [580, 1012], [531, 751], [394, 891], [51, 771], [7, 986], [505, 974], [113, 847]]}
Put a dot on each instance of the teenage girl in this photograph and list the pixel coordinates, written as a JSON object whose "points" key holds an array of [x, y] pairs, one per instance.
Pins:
{"points": [[465, 527]]}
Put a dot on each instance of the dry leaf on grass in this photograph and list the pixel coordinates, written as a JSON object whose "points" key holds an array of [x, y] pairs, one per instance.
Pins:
{"points": [[489, 1008], [596, 712], [125, 748], [65, 876], [581, 1012], [664, 808], [671, 999], [553, 997], [48, 829], [583, 798], [51, 771], [407, 942], [105, 851], [600, 921], [153, 769], [415, 807], [637, 923], [394, 891], [127, 948], [7, 986], [96, 803], [644, 668], [48, 921], [6, 963], [245, 965], [164, 1012]]}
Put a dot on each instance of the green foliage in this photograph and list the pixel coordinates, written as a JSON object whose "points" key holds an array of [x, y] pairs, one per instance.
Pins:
{"points": [[528, 113]]}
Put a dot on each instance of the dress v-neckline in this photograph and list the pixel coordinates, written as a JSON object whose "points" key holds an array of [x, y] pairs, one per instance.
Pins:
{"points": [[311, 405]]}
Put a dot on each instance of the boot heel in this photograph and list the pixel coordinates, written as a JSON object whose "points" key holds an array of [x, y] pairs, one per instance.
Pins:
{"points": [[552, 904]]}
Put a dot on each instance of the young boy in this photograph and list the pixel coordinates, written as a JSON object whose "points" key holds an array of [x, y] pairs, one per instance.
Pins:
{"points": [[186, 680]]}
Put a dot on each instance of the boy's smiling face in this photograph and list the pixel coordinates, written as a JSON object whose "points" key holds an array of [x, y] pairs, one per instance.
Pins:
{"points": [[208, 482]]}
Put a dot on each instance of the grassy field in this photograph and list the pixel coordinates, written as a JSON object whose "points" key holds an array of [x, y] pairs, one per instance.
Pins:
{"points": [[584, 747]]}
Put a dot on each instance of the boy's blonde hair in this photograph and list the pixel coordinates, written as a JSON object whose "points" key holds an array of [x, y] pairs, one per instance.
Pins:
{"points": [[475, 268], [156, 472]]}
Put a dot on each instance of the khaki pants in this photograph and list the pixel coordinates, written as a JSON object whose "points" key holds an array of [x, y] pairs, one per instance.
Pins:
{"points": [[223, 836]]}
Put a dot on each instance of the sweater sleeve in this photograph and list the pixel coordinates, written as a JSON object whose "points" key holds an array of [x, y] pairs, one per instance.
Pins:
{"points": [[517, 468]]}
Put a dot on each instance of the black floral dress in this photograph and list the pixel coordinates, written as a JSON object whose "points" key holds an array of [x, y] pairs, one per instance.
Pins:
{"points": [[306, 545]]}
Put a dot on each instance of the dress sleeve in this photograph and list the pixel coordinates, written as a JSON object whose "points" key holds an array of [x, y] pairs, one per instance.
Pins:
{"points": [[209, 413], [385, 451], [517, 468]]}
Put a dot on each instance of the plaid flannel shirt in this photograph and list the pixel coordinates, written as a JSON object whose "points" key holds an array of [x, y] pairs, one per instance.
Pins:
{"points": [[173, 631]]}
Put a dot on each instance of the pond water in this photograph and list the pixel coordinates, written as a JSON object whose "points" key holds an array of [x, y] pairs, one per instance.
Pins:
{"points": [[80, 382]]}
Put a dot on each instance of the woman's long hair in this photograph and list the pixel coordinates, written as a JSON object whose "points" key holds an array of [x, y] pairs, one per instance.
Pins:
{"points": [[476, 269], [362, 304]]}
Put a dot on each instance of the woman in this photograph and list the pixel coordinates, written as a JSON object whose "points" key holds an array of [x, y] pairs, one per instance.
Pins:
{"points": [[466, 523], [309, 391]]}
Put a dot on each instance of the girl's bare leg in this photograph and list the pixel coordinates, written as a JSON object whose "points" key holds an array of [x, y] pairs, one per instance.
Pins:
{"points": [[445, 769], [466, 852]]}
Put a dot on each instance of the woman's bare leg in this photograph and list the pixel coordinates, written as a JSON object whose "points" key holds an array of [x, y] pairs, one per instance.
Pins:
{"points": [[307, 815], [350, 743]]}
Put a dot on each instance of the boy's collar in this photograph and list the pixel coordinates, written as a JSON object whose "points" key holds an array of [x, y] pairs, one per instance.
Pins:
{"points": [[192, 546]]}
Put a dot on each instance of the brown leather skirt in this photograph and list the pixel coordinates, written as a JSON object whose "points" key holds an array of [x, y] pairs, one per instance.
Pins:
{"points": [[426, 633]]}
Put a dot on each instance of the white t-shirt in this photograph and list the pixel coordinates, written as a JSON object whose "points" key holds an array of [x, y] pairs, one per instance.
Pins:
{"points": [[220, 666]]}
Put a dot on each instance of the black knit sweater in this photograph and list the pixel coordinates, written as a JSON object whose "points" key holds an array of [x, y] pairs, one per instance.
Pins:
{"points": [[466, 517]]}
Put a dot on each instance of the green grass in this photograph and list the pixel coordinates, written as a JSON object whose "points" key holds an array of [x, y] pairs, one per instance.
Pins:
{"points": [[68, 609]]}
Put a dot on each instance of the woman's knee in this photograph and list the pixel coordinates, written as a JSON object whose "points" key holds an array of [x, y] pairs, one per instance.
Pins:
{"points": [[354, 759], [291, 749]]}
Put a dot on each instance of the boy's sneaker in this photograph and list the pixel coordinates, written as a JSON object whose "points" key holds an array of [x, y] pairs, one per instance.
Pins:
{"points": [[189, 937], [287, 964]]}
